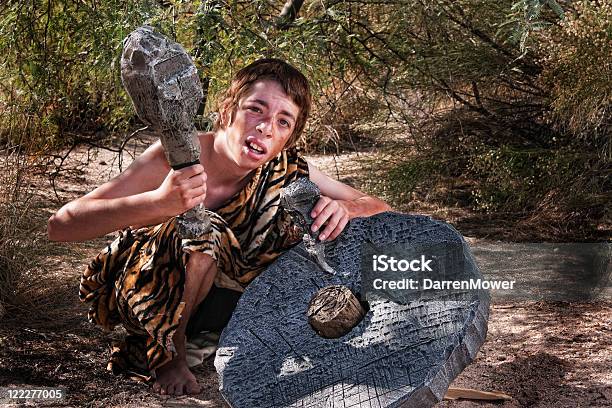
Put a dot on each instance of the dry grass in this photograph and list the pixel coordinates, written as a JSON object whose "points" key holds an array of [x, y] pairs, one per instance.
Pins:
{"points": [[24, 248], [15, 216]]}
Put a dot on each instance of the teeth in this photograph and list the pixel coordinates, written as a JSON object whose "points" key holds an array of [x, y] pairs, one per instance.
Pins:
{"points": [[255, 147]]}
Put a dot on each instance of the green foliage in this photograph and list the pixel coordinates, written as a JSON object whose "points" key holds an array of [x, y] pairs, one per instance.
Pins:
{"points": [[406, 176], [579, 68], [516, 179], [505, 173], [526, 16], [539, 70], [59, 69]]}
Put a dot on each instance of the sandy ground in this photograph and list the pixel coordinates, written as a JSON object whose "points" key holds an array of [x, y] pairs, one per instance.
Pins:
{"points": [[541, 354]]}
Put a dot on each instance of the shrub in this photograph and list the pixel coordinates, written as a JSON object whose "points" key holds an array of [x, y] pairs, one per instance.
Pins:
{"points": [[60, 68], [17, 241]]}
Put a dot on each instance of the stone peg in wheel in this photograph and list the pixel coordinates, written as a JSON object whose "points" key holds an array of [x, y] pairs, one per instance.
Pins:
{"points": [[163, 83], [334, 311]]}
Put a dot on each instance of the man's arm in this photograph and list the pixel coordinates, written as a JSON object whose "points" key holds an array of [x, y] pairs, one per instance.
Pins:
{"points": [[339, 203], [146, 193]]}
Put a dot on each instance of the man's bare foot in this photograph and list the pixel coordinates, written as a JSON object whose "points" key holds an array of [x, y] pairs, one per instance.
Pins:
{"points": [[175, 378]]}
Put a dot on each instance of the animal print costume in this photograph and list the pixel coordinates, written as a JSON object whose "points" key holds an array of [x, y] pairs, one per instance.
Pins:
{"points": [[138, 279]]}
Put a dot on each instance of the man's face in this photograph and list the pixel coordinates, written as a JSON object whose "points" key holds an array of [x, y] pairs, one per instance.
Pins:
{"points": [[264, 121]]}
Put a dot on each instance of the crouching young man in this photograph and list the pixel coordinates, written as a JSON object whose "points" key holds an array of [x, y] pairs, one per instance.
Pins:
{"points": [[162, 288]]}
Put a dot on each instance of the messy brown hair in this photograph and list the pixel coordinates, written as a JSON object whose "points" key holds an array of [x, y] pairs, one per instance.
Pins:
{"points": [[293, 82]]}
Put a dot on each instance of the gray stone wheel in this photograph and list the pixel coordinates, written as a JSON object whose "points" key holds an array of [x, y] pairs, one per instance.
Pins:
{"points": [[398, 355]]}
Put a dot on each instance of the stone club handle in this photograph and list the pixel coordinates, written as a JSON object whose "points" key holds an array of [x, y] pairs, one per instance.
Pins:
{"points": [[163, 83]]}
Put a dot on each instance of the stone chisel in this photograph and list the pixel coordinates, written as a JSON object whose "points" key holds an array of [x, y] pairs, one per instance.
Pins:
{"points": [[163, 83], [298, 199]]}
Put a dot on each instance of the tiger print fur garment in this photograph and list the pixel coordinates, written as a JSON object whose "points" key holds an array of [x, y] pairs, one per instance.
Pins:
{"points": [[138, 279]]}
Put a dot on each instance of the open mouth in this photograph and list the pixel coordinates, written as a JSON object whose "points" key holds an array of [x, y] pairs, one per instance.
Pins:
{"points": [[254, 146]]}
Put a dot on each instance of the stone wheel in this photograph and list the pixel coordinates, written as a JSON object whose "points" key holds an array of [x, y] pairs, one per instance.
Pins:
{"points": [[398, 355]]}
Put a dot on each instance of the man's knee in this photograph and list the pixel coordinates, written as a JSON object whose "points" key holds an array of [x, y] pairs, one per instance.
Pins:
{"points": [[201, 266]]}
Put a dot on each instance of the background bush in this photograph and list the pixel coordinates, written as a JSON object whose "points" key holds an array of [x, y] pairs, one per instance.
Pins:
{"points": [[513, 97]]}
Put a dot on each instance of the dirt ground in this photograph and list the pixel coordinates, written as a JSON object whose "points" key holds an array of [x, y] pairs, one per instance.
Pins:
{"points": [[541, 354]]}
